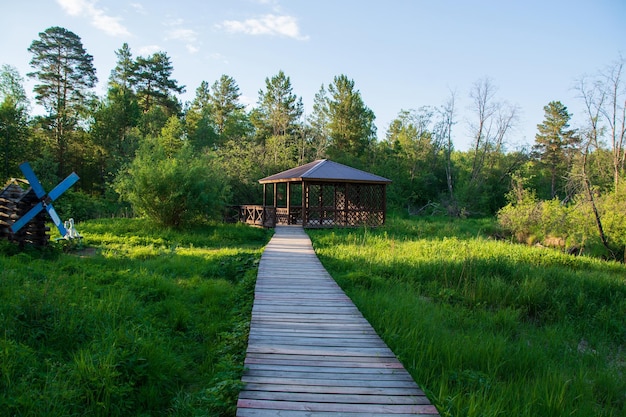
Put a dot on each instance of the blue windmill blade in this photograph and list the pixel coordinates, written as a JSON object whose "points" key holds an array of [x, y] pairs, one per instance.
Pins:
{"points": [[30, 214], [32, 179], [56, 220], [63, 186]]}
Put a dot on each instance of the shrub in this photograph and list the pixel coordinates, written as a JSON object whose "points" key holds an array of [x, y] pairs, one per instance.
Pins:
{"points": [[175, 189]]}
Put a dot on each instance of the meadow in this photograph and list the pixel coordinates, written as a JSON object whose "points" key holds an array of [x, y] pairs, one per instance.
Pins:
{"points": [[487, 327], [137, 320], [141, 320]]}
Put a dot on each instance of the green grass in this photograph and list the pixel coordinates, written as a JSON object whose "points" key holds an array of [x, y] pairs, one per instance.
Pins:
{"points": [[143, 321], [486, 327]]}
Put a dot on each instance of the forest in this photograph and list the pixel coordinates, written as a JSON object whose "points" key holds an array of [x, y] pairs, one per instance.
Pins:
{"points": [[140, 150]]}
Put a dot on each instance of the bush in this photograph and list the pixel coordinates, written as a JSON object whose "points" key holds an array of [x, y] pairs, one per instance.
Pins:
{"points": [[81, 206], [175, 189], [568, 225]]}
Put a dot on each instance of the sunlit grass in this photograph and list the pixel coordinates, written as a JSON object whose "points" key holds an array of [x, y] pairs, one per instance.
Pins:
{"points": [[486, 327], [136, 321]]}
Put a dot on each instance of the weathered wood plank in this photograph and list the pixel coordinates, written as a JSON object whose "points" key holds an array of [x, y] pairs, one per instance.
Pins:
{"points": [[339, 407], [314, 370], [327, 382], [321, 361], [259, 412], [332, 389], [325, 397], [404, 376], [317, 341], [320, 350]]}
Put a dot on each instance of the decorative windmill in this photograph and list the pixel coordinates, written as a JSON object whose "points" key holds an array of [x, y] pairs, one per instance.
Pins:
{"points": [[45, 200]]}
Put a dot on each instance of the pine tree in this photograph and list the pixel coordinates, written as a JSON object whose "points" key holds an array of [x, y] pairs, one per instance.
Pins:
{"points": [[280, 107], [319, 121], [224, 100], [555, 143], [154, 85], [122, 75], [65, 75], [277, 122], [352, 128]]}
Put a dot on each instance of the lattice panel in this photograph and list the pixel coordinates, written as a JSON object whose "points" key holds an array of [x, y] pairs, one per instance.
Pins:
{"points": [[339, 204]]}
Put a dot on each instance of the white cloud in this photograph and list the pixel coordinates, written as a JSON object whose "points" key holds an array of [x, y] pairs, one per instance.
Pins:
{"points": [[247, 101], [216, 56], [87, 8], [181, 34], [149, 50], [188, 36], [138, 8], [174, 22], [266, 25]]}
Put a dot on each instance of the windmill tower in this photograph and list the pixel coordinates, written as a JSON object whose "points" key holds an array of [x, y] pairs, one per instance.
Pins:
{"points": [[16, 198]]}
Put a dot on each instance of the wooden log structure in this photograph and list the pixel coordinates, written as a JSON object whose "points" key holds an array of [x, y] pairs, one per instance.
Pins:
{"points": [[16, 199]]}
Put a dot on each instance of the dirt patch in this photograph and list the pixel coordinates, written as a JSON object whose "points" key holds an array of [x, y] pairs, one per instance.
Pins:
{"points": [[85, 253]]}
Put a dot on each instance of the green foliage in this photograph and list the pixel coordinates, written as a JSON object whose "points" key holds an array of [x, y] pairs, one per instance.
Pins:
{"points": [[242, 162], [114, 130], [173, 187], [553, 223], [413, 159], [14, 141], [144, 321], [486, 327], [13, 137], [81, 206]]}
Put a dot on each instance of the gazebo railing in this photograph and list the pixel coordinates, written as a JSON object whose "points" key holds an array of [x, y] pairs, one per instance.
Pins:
{"points": [[265, 216], [269, 216]]}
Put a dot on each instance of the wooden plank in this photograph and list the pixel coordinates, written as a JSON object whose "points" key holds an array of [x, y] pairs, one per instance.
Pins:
{"points": [[425, 409], [318, 341], [332, 390], [321, 363], [315, 371], [329, 334], [304, 375], [325, 397], [260, 412], [320, 350], [327, 382]]}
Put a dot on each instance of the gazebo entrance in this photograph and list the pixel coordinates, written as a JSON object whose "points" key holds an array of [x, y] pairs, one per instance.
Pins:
{"points": [[320, 194]]}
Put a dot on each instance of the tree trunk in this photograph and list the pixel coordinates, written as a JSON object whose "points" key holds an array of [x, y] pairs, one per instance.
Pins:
{"points": [[596, 215]]}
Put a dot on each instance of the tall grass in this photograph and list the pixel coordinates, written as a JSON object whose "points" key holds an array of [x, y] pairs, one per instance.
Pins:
{"points": [[143, 321], [486, 327]]}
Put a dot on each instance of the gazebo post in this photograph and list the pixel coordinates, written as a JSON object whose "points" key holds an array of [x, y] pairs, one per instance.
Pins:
{"points": [[289, 202], [275, 195], [384, 202], [264, 195], [304, 211]]}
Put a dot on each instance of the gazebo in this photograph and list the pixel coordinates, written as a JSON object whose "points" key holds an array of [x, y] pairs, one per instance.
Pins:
{"points": [[322, 193]]}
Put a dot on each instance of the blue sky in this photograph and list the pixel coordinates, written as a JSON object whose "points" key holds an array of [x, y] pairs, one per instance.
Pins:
{"points": [[401, 54]]}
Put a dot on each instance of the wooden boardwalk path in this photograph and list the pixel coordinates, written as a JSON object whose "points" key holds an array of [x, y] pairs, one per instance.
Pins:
{"points": [[310, 351]]}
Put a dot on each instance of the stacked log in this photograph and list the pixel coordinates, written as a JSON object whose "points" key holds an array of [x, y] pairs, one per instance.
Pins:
{"points": [[15, 201]]}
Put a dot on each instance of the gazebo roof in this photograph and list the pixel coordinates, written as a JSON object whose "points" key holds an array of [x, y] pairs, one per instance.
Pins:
{"points": [[325, 170]]}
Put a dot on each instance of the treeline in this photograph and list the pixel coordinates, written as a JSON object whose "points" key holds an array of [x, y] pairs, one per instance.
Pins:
{"points": [[141, 143]]}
